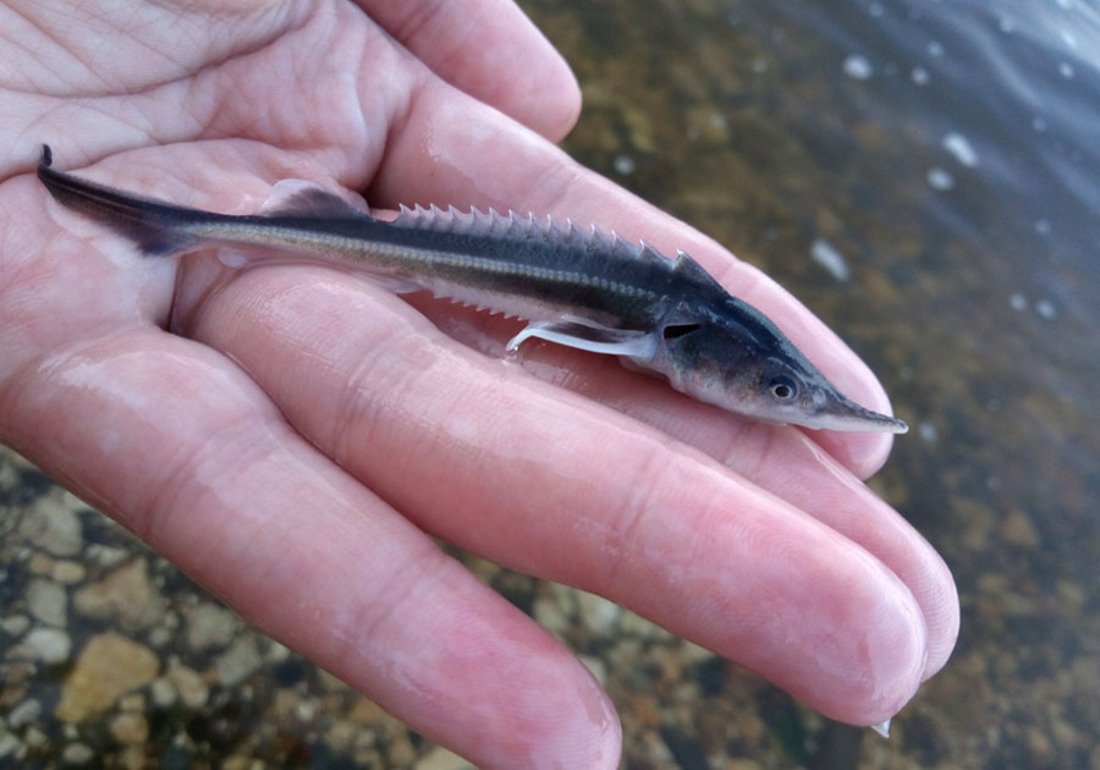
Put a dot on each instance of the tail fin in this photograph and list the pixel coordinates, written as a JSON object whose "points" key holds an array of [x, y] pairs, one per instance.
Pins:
{"points": [[158, 229]]}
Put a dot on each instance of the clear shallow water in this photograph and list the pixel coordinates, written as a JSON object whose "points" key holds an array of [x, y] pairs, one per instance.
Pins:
{"points": [[923, 175], [998, 109]]}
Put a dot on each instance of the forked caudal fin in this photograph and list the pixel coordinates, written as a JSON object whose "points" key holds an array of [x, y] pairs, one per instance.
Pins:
{"points": [[155, 227]]}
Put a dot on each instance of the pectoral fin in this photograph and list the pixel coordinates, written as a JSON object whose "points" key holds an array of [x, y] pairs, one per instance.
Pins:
{"points": [[584, 336]]}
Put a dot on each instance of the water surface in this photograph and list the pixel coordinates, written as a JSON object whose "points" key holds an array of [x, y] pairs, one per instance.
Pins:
{"points": [[924, 175]]}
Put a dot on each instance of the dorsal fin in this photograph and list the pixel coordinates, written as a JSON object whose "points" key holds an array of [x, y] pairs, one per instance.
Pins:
{"points": [[296, 197]]}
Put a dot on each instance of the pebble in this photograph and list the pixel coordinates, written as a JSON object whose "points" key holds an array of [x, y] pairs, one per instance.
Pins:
{"points": [[77, 754], [596, 667], [635, 625], [341, 735], [35, 738], [238, 663], [209, 626], [15, 625], [189, 685], [131, 758], [9, 745], [41, 564], [160, 636], [549, 614], [55, 527], [237, 762], [109, 666], [400, 751], [163, 692], [744, 764], [135, 701], [694, 654], [68, 572], [130, 728], [107, 556], [47, 602], [597, 613], [277, 653], [1018, 530], [441, 759], [49, 645], [125, 595], [25, 713]]}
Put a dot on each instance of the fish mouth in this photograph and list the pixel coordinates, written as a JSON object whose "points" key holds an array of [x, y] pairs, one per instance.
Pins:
{"points": [[840, 413]]}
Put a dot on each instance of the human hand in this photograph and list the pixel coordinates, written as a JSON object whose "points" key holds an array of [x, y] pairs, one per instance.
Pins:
{"points": [[297, 442]]}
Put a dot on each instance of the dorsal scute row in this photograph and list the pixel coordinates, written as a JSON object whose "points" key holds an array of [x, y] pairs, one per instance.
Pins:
{"points": [[490, 223]]}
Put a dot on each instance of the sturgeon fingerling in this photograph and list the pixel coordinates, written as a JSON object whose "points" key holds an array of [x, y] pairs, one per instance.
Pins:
{"points": [[582, 288]]}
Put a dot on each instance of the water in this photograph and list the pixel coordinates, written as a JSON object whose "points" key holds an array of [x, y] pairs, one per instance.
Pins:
{"points": [[926, 177]]}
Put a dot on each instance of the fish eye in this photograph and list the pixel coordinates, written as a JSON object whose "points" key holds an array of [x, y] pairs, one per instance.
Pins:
{"points": [[783, 388], [675, 331]]}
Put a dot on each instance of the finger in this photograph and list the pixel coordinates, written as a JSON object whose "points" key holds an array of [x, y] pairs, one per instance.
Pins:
{"points": [[188, 453], [476, 452], [451, 150], [786, 463], [492, 51]]}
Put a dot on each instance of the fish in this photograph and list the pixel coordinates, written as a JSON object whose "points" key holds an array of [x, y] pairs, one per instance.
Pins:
{"points": [[582, 287]]}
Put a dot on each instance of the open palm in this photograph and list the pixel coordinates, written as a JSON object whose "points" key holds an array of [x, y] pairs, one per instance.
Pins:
{"points": [[293, 436]]}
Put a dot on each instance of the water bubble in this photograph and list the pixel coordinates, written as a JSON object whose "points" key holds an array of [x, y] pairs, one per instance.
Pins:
{"points": [[825, 254], [624, 165], [940, 179], [1018, 302], [1045, 309], [858, 67], [928, 432], [1042, 226], [935, 49], [920, 76], [1065, 69], [959, 146]]}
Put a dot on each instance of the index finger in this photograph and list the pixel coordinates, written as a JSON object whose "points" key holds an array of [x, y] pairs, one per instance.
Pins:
{"points": [[470, 45]]}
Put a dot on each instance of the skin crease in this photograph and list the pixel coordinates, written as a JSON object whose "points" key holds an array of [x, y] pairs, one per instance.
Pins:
{"points": [[300, 436]]}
